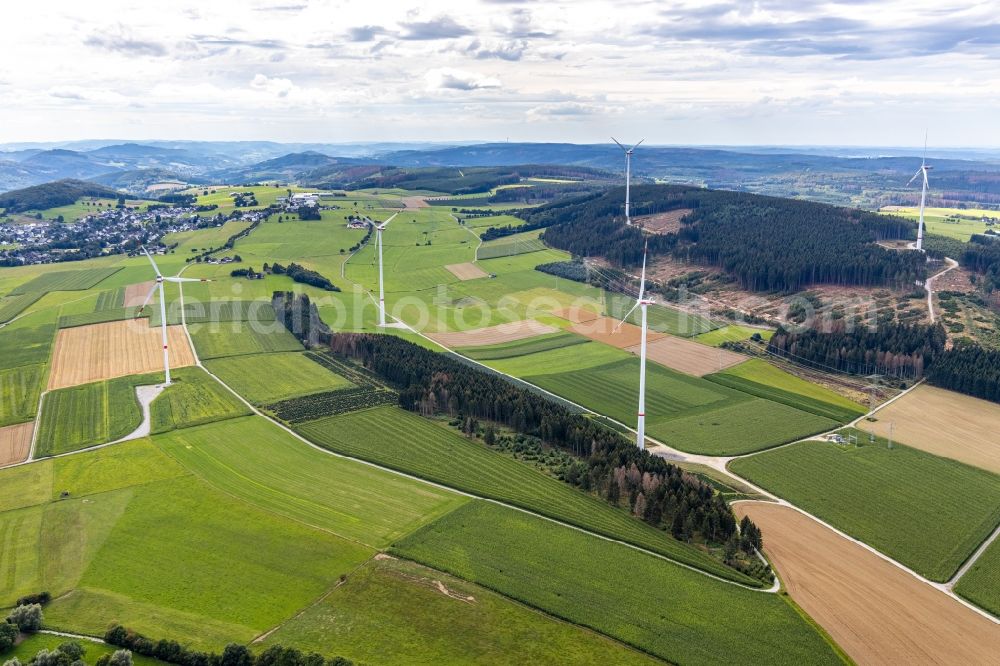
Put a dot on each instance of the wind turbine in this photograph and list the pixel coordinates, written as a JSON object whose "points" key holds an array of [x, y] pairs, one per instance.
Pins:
{"points": [[381, 284], [642, 302], [163, 307], [628, 175], [923, 194]]}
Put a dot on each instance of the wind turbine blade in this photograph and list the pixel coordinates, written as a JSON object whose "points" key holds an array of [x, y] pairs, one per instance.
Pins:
{"points": [[919, 171], [619, 144], [150, 257], [625, 318], [924, 160], [642, 280], [637, 145], [182, 279], [149, 297]]}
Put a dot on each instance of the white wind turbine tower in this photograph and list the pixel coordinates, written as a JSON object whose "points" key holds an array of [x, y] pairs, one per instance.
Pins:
{"points": [[628, 176], [922, 171], [642, 303], [163, 307], [381, 284]]}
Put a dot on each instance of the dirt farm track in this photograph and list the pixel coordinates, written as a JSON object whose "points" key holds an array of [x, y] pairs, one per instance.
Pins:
{"points": [[103, 351], [876, 612], [925, 419]]}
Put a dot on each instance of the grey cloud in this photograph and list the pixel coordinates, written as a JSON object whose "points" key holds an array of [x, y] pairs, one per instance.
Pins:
{"points": [[281, 8], [212, 40], [365, 33], [512, 50], [522, 26], [443, 27], [122, 42]]}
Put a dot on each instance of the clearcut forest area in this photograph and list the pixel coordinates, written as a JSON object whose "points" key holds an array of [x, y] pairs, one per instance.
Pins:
{"points": [[464, 485]]}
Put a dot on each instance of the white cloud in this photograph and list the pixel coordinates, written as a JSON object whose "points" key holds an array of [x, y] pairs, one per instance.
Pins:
{"points": [[457, 79]]}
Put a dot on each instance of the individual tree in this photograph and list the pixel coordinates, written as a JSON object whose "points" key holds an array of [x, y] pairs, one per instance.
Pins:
{"points": [[27, 617], [236, 655], [8, 634]]}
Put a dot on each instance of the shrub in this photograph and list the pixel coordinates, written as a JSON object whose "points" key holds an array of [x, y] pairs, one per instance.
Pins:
{"points": [[27, 617], [8, 634], [40, 598]]}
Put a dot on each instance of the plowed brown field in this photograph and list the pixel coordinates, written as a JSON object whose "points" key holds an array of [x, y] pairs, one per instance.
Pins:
{"points": [[602, 329], [875, 611], [466, 271], [944, 423], [491, 335], [689, 357], [135, 294], [15, 443], [577, 314], [87, 354]]}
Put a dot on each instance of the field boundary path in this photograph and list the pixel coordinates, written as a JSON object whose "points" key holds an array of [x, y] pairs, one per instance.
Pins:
{"points": [[478, 237], [952, 265]]}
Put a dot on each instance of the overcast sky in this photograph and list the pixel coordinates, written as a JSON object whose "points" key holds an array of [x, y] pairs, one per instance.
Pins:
{"points": [[768, 72]]}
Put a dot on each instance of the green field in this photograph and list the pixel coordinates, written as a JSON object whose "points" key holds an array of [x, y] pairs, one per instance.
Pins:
{"points": [[981, 583], [516, 348], [235, 338], [193, 399], [213, 558], [11, 306], [258, 462], [24, 345], [661, 318], [90, 414], [409, 443], [927, 512], [267, 378], [508, 247], [731, 333], [98, 317], [84, 278], [950, 222], [371, 619], [663, 609], [210, 311], [760, 378], [689, 413], [19, 388]]}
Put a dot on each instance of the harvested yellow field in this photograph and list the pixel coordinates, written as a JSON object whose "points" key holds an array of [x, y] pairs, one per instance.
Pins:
{"points": [[414, 202], [15, 443], [944, 423], [689, 357], [603, 329], [135, 294], [876, 612], [492, 335], [466, 271], [87, 354]]}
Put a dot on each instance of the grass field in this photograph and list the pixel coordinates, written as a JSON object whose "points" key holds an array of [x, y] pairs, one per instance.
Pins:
{"points": [[927, 512], [731, 333], [673, 613], [11, 306], [30, 646], [981, 583], [760, 378], [24, 345], [260, 463], [188, 569], [943, 221], [370, 619], [97, 317], [89, 414], [400, 440], [19, 388], [508, 247], [217, 340], [267, 378], [521, 347], [75, 280], [689, 413], [193, 399]]}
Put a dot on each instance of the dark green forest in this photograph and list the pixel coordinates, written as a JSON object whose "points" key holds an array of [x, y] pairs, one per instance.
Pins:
{"points": [[969, 369]]}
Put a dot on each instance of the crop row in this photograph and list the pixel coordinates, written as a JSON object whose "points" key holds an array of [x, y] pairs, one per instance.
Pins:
{"points": [[356, 374], [331, 403]]}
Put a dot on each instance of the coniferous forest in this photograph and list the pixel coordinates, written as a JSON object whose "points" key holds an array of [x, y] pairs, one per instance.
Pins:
{"points": [[969, 369], [768, 244]]}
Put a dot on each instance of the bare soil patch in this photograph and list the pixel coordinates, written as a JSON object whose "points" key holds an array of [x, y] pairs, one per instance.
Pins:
{"points": [[662, 223], [944, 423], [603, 330], [492, 335], [957, 279], [577, 314], [15, 443], [876, 612], [87, 354], [466, 271], [135, 294], [689, 357], [415, 202]]}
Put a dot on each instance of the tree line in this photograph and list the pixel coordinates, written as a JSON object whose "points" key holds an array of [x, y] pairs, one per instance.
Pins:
{"points": [[968, 368], [900, 350]]}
